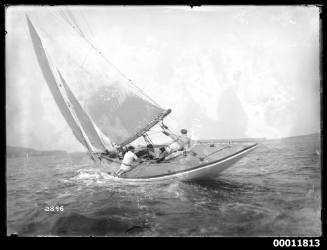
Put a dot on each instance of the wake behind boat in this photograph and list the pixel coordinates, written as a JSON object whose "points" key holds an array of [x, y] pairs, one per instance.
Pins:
{"points": [[122, 115]]}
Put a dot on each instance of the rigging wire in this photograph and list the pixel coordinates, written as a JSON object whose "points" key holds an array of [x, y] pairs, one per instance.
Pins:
{"points": [[87, 25], [109, 62], [68, 56], [86, 55], [151, 132], [163, 126], [81, 66], [71, 16], [147, 139], [66, 19]]}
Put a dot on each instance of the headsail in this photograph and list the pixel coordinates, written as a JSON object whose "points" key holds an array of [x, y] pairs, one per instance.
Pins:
{"points": [[86, 136]]}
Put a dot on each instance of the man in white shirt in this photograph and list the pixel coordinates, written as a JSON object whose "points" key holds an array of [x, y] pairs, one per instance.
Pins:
{"points": [[128, 159], [182, 142]]}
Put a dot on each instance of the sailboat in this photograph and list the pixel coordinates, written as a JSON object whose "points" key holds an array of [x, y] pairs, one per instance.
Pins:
{"points": [[117, 116]]}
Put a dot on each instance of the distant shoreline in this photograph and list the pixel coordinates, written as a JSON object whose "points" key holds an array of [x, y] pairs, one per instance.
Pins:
{"points": [[14, 152], [259, 139]]}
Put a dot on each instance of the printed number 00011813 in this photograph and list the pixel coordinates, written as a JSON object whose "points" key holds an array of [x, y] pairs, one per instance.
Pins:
{"points": [[296, 242]]}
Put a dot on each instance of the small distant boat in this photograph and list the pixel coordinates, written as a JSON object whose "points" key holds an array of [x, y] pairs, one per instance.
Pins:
{"points": [[119, 117]]}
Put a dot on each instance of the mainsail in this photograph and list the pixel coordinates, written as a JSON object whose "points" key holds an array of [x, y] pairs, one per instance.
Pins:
{"points": [[121, 119], [113, 112]]}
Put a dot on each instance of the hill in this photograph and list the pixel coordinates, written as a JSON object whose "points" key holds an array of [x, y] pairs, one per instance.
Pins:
{"points": [[22, 152]]}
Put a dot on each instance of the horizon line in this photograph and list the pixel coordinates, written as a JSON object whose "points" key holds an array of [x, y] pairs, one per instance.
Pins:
{"points": [[265, 138]]}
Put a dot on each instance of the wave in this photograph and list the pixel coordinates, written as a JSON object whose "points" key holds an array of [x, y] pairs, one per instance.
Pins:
{"points": [[76, 224]]}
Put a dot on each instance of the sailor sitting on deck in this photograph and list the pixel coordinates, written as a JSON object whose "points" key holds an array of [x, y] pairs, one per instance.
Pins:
{"points": [[151, 152], [128, 159], [182, 142], [148, 153]]}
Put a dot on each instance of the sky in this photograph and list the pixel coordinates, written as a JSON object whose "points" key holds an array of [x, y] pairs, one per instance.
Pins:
{"points": [[225, 71]]}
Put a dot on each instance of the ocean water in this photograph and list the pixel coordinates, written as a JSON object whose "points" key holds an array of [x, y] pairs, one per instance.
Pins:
{"points": [[274, 191]]}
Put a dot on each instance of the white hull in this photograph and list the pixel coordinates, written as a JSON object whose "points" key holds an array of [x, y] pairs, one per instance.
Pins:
{"points": [[201, 172]]}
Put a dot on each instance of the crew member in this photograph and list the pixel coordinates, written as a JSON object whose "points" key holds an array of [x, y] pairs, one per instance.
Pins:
{"points": [[181, 142], [151, 153], [127, 163]]}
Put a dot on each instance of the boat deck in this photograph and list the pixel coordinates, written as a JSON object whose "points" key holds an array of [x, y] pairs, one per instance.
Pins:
{"points": [[205, 153]]}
